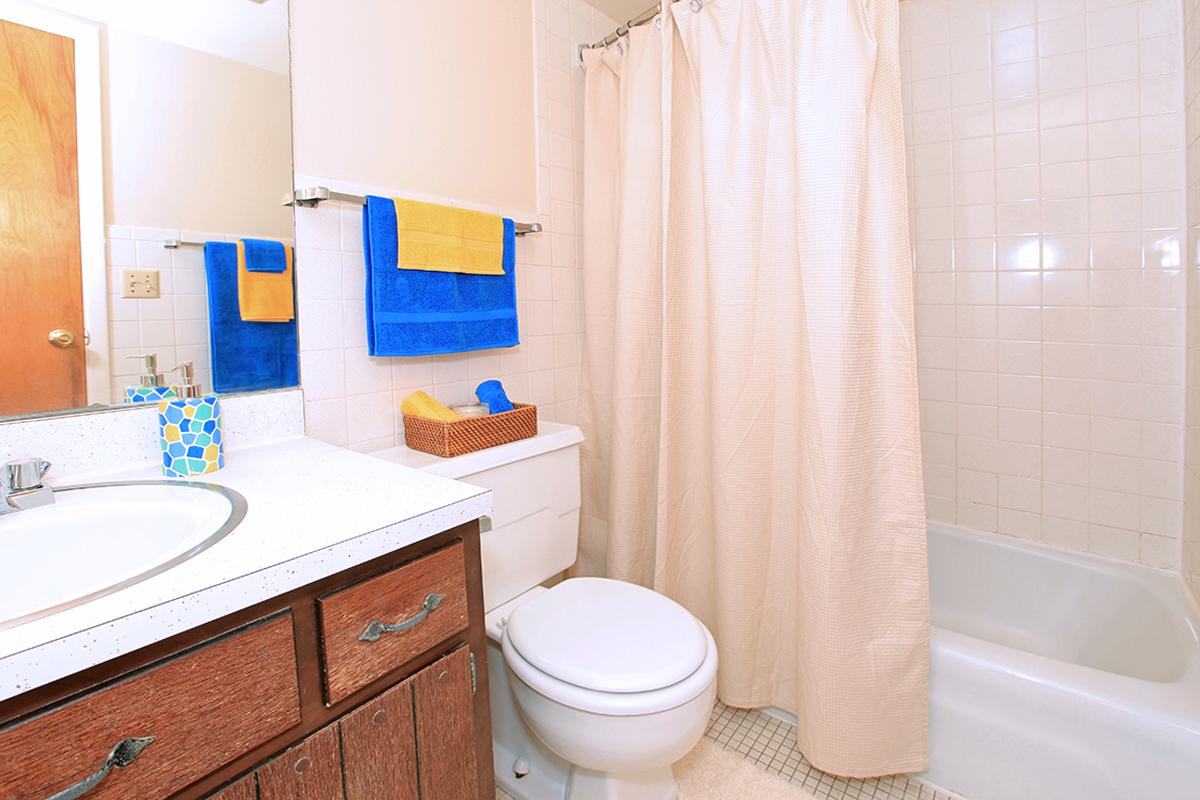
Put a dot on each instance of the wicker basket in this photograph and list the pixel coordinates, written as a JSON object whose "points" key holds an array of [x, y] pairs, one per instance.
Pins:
{"points": [[447, 439]]}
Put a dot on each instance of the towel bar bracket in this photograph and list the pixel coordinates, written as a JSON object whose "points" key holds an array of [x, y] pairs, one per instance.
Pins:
{"points": [[314, 195]]}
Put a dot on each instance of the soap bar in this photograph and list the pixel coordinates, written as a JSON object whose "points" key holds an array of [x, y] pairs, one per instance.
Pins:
{"points": [[191, 437]]}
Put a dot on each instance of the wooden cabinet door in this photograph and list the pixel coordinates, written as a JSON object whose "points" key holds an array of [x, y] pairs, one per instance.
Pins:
{"points": [[444, 710], [245, 789], [312, 770], [379, 748]]}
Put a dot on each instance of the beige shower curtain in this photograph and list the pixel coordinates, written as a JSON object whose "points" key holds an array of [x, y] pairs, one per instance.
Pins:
{"points": [[749, 390]]}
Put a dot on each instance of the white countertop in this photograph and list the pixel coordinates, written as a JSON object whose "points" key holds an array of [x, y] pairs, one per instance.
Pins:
{"points": [[314, 510]]}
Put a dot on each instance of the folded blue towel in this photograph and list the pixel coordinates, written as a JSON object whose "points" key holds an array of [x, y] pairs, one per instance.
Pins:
{"points": [[246, 356], [417, 313], [492, 394], [264, 255]]}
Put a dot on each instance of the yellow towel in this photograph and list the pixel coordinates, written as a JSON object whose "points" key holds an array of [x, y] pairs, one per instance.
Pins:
{"points": [[265, 296], [419, 404], [436, 238]]}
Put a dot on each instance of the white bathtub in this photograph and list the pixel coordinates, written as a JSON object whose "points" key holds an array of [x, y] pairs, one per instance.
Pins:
{"points": [[1059, 677]]}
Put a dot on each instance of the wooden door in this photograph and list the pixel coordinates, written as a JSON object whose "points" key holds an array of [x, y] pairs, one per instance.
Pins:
{"points": [[379, 748], [312, 770], [41, 287], [444, 710]]}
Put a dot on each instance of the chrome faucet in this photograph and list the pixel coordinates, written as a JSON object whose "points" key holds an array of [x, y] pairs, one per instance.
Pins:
{"points": [[21, 485]]}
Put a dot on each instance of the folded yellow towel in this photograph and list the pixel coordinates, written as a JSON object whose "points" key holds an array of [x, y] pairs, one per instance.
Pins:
{"points": [[436, 238], [265, 296], [419, 404]]}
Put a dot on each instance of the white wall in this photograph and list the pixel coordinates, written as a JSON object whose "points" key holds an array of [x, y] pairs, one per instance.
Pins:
{"points": [[244, 31], [354, 400], [1046, 190], [1190, 566], [430, 96]]}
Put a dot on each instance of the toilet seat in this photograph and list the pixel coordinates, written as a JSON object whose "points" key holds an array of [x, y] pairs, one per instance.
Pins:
{"points": [[609, 647]]}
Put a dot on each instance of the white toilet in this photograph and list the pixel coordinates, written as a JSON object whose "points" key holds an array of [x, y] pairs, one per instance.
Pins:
{"points": [[597, 686]]}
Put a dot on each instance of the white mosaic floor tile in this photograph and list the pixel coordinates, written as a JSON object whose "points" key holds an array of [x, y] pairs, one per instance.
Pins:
{"points": [[770, 743]]}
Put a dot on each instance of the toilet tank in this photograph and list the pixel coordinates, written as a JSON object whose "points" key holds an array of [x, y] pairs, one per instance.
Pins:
{"points": [[533, 533]]}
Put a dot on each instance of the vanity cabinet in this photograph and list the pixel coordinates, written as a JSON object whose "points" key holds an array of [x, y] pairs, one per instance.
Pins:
{"points": [[416, 741], [366, 685]]}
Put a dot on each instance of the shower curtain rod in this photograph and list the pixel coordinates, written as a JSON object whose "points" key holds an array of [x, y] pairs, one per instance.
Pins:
{"points": [[642, 18]]}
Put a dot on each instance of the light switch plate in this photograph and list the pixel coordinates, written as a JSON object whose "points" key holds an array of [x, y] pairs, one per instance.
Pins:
{"points": [[139, 283]]}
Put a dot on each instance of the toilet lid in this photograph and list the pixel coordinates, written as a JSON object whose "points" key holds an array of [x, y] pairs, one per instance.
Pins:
{"points": [[608, 636]]}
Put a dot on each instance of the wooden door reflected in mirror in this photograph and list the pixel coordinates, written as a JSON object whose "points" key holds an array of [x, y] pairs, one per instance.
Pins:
{"points": [[42, 354]]}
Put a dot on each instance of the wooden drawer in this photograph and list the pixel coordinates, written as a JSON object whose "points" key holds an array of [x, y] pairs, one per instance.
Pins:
{"points": [[399, 597], [203, 708]]}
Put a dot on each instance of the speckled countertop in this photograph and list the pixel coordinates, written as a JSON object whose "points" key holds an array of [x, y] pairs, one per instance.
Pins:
{"points": [[314, 510]]}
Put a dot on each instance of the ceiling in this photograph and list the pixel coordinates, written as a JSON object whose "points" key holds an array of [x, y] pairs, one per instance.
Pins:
{"points": [[621, 10]]}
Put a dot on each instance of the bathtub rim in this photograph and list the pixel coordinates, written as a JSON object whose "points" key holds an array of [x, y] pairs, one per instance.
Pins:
{"points": [[1175, 701], [1162, 576]]}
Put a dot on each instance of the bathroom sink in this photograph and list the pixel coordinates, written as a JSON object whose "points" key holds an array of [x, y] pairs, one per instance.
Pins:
{"points": [[98, 538]]}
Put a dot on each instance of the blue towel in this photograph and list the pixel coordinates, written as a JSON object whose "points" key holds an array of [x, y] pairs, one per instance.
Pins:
{"points": [[492, 394], [264, 255], [417, 313], [246, 356]]}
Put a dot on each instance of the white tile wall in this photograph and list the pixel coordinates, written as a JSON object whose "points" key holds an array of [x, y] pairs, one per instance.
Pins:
{"points": [[1190, 567], [1046, 175], [175, 324], [354, 400]]}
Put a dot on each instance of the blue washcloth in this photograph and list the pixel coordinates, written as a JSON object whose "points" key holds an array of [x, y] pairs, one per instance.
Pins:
{"points": [[491, 394], [263, 255], [246, 356], [417, 313]]}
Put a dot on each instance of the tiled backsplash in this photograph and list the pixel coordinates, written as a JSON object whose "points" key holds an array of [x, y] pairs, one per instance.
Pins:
{"points": [[1046, 191], [173, 325], [354, 400], [80, 445]]}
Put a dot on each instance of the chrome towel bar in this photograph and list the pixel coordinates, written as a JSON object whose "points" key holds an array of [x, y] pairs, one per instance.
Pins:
{"points": [[313, 195]]}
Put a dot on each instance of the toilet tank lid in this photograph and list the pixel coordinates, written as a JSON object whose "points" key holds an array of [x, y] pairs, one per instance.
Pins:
{"points": [[608, 636], [550, 436]]}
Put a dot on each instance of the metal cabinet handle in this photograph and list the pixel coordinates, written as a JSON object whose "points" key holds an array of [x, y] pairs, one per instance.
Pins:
{"points": [[377, 628], [122, 755]]}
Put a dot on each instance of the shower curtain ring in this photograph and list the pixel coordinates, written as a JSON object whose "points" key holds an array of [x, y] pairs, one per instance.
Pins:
{"points": [[696, 5]]}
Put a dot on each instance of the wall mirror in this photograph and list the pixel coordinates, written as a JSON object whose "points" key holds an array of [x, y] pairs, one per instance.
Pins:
{"points": [[130, 133]]}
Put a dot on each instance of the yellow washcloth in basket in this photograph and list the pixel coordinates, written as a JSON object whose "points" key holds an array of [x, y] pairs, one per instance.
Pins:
{"points": [[419, 404], [265, 296], [437, 238]]}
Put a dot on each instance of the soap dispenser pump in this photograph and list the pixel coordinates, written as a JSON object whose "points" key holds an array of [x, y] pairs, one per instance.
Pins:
{"points": [[189, 428], [151, 388]]}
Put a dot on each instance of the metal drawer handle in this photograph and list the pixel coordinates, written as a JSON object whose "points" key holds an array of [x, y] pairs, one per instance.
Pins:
{"points": [[122, 755], [377, 628]]}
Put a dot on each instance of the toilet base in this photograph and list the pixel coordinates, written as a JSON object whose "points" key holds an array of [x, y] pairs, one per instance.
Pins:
{"points": [[654, 784]]}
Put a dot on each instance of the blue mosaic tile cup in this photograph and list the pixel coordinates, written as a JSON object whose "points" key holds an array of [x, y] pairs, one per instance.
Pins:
{"points": [[191, 437]]}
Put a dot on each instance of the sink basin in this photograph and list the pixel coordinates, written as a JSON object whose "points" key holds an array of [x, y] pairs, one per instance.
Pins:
{"points": [[98, 538]]}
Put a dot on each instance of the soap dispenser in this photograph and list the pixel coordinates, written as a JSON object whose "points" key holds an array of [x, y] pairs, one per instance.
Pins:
{"points": [[189, 428], [152, 388]]}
